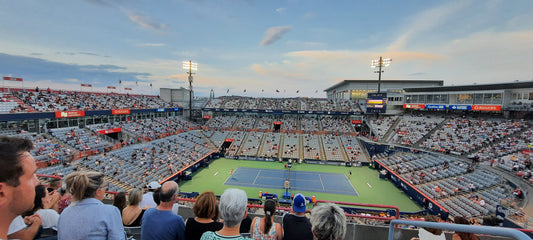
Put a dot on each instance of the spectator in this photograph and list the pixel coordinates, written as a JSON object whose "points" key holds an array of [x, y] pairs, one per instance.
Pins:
{"points": [[17, 181], [148, 197], [295, 224], [430, 233], [89, 218], [42, 206], [53, 186], [133, 214], [329, 222], [262, 227], [206, 212], [65, 199], [160, 222], [463, 235], [120, 201], [232, 210]]}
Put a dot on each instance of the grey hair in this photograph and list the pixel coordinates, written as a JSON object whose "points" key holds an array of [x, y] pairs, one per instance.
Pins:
{"points": [[232, 206], [328, 222]]}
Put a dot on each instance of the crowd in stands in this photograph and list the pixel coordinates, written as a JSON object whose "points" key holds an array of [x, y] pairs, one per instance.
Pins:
{"points": [[50, 101], [381, 125], [291, 104], [411, 129]]}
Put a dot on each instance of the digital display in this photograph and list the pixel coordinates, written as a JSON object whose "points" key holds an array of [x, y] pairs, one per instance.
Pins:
{"points": [[376, 103]]}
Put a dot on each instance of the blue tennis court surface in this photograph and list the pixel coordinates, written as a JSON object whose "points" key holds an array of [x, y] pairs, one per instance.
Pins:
{"points": [[299, 180]]}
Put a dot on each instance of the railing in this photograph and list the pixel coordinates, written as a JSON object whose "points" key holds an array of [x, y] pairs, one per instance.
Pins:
{"points": [[495, 231]]}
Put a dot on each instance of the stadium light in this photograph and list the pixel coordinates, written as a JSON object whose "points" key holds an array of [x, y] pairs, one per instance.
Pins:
{"points": [[380, 63], [191, 68]]}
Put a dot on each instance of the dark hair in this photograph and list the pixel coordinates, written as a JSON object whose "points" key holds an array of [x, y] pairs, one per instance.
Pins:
{"points": [[55, 183], [40, 192], [157, 198], [11, 149], [270, 209], [432, 218], [168, 195], [120, 200], [206, 206], [464, 235]]}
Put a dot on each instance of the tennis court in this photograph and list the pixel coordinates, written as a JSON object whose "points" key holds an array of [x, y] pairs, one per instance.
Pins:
{"points": [[299, 180]]}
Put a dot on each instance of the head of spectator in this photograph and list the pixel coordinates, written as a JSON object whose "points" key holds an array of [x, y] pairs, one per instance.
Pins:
{"points": [[156, 196], [433, 231], [206, 206], [463, 235], [152, 186], [83, 185], [54, 184], [233, 210], [167, 196], [298, 204], [120, 200], [17, 180], [134, 197], [328, 222], [41, 200]]}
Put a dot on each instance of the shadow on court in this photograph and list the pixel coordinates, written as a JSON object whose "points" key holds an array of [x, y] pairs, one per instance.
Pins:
{"points": [[299, 180]]}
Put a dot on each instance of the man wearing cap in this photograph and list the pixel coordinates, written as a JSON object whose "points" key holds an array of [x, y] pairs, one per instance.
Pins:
{"points": [[148, 197], [295, 224]]}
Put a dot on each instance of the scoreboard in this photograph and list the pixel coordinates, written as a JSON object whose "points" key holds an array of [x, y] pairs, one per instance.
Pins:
{"points": [[376, 103]]}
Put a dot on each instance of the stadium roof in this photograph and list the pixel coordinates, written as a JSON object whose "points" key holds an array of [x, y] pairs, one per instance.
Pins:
{"points": [[474, 87], [345, 82]]}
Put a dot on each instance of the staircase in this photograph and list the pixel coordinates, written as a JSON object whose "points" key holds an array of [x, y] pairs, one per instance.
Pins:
{"points": [[439, 126]]}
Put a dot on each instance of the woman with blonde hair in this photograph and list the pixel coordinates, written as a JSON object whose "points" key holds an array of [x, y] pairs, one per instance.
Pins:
{"points": [[88, 217], [266, 228], [132, 214]]}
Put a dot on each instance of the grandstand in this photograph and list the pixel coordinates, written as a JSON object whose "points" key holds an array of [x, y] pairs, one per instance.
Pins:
{"points": [[427, 152]]}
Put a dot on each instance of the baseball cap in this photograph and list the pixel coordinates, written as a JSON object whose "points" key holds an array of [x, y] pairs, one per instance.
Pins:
{"points": [[298, 203], [153, 185]]}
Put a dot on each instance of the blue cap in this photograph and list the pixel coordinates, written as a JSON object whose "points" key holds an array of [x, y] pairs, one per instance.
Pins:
{"points": [[298, 203]]}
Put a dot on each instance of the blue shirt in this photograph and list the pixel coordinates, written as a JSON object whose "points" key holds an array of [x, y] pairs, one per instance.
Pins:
{"points": [[162, 225], [90, 219]]}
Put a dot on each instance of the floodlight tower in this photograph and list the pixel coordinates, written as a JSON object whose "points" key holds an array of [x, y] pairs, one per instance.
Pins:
{"points": [[191, 68], [380, 63]]}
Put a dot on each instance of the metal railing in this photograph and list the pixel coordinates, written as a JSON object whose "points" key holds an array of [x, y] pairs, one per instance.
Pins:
{"points": [[495, 231]]}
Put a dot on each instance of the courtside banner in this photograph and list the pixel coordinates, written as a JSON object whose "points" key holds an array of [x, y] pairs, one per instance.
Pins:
{"points": [[13, 79], [414, 106], [120, 111], [68, 114], [357, 121], [111, 130]]}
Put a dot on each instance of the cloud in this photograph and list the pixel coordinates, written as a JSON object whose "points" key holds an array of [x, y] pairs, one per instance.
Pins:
{"points": [[425, 21], [145, 22], [151, 45], [280, 10], [37, 69], [274, 34], [36, 54], [72, 80]]}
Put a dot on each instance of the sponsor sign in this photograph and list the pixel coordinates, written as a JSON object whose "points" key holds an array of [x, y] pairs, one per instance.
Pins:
{"points": [[228, 140], [13, 79], [120, 111], [206, 116], [357, 121], [86, 85], [176, 109], [111, 130], [486, 107], [68, 114], [414, 106], [460, 107], [160, 110], [277, 122], [436, 106]]}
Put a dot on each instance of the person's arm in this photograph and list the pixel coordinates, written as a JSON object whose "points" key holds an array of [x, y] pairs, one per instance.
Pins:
{"points": [[115, 228], [33, 222], [252, 226], [279, 232]]}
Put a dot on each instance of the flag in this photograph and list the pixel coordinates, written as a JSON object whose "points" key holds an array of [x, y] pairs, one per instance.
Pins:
{"points": [[86, 85], [244, 90], [119, 81], [150, 85], [136, 83], [111, 87], [277, 90], [227, 91], [127, 88], [297, 91]]}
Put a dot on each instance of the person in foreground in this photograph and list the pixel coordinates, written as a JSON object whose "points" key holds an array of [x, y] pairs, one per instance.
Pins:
{"points": [[17, 182], [132, 214], [295, 224], [43, 207], [430, 233], [233, 209], [329, 222], [266, 228], [88, 217], [463, 235], [206, 212], [160, 223]]}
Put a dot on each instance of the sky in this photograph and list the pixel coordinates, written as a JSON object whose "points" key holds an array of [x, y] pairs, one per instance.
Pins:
{"points": [[255, 47]]}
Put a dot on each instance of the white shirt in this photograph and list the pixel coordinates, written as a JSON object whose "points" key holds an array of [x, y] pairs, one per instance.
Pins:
{"points": [[16, 225], [425, 235], [148, 200], [49, 218]]}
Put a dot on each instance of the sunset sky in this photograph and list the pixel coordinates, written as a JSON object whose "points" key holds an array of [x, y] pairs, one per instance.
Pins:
{"points": [[261, 46]]}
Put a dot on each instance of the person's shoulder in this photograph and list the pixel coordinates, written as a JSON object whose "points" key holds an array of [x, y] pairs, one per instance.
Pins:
{"points": [[208, 235]]}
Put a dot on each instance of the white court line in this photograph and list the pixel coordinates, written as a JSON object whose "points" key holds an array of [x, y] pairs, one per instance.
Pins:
{"points": [[370, 186], [320, 176], [256, 176], [215, 174]]}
